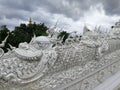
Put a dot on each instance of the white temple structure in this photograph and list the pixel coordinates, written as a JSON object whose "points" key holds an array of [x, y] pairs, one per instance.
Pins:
{"points": [[87, 62]]}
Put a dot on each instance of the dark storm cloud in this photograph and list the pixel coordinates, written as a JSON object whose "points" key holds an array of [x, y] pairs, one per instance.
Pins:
{"points": [[112, 7], [45, 10], [70, 8], [18, 4], [15, 14], [14, 9], [1, 17]]}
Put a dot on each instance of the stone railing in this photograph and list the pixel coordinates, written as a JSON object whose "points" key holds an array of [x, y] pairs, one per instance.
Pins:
{"points": [[106, 68]]}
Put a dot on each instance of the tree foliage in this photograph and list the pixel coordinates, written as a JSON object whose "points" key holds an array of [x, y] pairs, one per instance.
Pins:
{"points": [[63, 35], [22, 33]]}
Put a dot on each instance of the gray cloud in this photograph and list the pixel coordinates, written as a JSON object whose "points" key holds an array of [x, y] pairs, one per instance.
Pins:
{"points": [[48, 11], [18, 4], [112, 7], [70, 8]]}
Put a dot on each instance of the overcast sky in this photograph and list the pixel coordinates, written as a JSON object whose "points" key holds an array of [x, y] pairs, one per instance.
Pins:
{"points": [[71, 15]]}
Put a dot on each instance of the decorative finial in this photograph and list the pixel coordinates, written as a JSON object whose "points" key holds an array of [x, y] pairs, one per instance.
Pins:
{"points": [[30, 21]]}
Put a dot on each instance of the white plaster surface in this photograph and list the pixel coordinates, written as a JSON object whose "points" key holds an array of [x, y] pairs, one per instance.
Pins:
{"points": [[110, 84]]}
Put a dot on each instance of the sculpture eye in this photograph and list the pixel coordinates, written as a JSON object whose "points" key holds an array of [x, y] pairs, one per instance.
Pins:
{"points": [[71, 37]]}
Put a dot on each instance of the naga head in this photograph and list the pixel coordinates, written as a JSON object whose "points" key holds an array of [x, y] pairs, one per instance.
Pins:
{"points": [[42, 42]]}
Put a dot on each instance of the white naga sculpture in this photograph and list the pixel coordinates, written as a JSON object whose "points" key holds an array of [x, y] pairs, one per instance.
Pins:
{"points": [[34, 63]]}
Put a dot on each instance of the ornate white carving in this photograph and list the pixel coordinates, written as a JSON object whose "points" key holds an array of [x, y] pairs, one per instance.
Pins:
{"points": [[81, 63], [1, 52]]}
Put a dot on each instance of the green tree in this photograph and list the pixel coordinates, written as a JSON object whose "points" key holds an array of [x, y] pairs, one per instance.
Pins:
{"points": [[63, 34], [4, 31], [22, 33]]}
